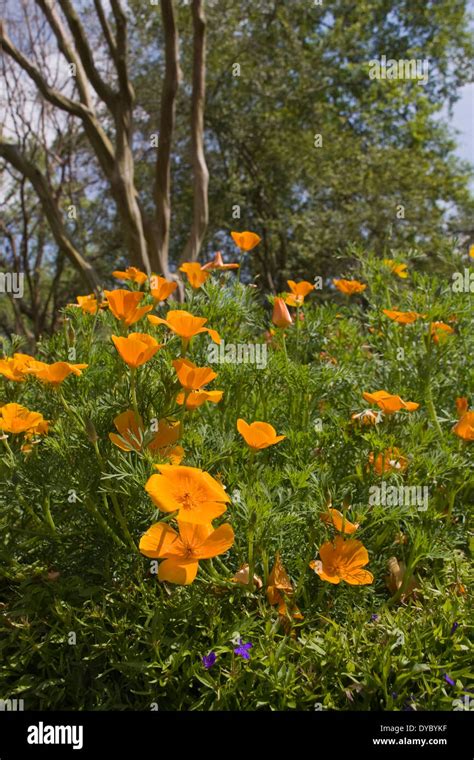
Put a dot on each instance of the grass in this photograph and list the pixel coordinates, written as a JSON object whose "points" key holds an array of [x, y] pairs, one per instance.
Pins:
{"points": [[84, 622]]}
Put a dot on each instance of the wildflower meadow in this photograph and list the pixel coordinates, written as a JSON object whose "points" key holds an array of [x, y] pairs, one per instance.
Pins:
{"points": [[236, 377], [237, 502]]}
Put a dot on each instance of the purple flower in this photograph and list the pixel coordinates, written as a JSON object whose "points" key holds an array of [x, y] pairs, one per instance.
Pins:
{"points": [[449, 680], [455, 625], [243, 650], [374, 617], [209, 660]]}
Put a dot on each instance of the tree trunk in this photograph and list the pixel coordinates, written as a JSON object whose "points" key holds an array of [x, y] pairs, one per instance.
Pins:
{"points": [[159, 233], [200, 171]]}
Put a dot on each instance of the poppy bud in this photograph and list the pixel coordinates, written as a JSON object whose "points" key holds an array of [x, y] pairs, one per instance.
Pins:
{"points": [[91, 432], [281, 316]]}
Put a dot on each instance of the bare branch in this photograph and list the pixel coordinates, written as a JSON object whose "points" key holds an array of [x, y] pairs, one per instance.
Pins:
{"points": [[19, 161], [106, 28], [99, 140], [67, 50], [103, 90], [53, 96]]}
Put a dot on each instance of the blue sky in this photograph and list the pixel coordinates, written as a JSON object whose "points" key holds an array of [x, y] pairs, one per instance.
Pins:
{"points": [[463, 122], [463, 118]]}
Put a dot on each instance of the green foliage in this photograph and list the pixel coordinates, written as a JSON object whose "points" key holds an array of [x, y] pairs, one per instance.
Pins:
{"points": [[73, 508]]}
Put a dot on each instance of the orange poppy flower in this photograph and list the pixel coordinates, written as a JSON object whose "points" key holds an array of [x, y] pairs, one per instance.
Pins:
{"points": [[402, 317], [130, 431], [192, 378], [198, 398], [281, 316], [336, 518], [279, 588], [399, 269], [195, 494], [131, 273], [17, 419], [367, 417], [136, 348], [278, 581], [185, 325], [343, 560], [464, 428], [195, 274], [89, 304], [299, 291], [440, 331], [246, 241], [462, 405], [182, 551], [161, 288], [258, 435], [124, 305], [14, 368], [218, 263], [55, 373], [391, 460], [131, 436], [388, 403], [294, 301], [349, 287], [164, 440]]}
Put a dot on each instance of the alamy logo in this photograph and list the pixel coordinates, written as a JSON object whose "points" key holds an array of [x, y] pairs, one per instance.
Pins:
{"points": [[238, 353], [42, 734], [12, 282], [413, 68], [401, 496], [12, 705], [463, 704], [463, 282]]}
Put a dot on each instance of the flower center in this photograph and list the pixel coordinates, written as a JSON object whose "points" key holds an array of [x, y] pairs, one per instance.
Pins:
{"points": [[338, 568], [188, 551], [186, 501]]}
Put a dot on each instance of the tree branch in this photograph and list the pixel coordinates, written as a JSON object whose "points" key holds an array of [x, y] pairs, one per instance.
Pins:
{"points": [[106, 28], [103, 90], [121, 52], [19, 161], [53, 96], [66, 49], [99, 140]]}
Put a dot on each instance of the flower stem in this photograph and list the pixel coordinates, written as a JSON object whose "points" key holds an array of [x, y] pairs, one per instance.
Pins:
{"points": [[183, 413], [47, 514], [283, 340], [251, 533], [8, 448], [428, 392], [103, 523], [297, 331], [133, 392]]}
